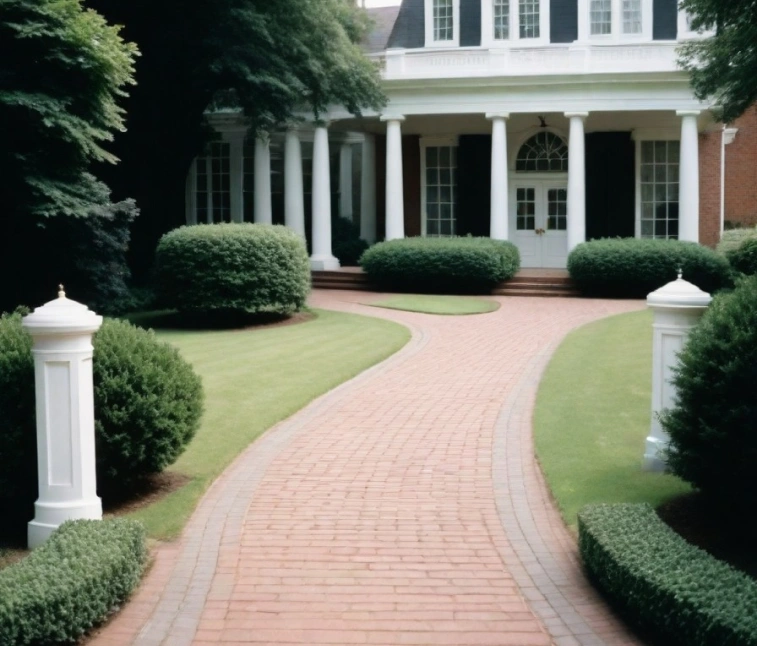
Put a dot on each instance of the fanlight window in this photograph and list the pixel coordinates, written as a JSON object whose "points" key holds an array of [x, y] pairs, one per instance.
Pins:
{"points": [[545, 152]]}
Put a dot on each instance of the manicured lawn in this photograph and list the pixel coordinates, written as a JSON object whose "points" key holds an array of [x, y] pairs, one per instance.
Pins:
{"points": [[593, 414], [255, 378], [449, 305]]}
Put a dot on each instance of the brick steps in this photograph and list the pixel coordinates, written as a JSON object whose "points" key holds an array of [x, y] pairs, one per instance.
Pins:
{"points": [[526, 283]]}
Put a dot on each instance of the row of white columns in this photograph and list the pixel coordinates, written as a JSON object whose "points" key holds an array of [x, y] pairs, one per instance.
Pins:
{"points": [[499, 223]]}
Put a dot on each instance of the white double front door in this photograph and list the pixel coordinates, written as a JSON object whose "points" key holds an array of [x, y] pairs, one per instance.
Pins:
{"points": [[539, 221]]}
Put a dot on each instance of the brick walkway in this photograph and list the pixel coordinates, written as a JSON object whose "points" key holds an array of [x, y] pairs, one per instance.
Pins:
{"points": [[404, 507]]}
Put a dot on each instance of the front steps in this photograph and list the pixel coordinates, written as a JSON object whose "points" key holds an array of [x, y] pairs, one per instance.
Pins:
{"points": [[527, 282]]}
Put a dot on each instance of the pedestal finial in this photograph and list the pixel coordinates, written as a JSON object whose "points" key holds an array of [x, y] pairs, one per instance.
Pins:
{"points": [[61, 291]]}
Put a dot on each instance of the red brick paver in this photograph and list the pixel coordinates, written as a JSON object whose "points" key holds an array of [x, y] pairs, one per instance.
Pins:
{"points": [[404, 507]]}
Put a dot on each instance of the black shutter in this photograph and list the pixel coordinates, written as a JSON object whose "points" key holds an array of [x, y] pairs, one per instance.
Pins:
{"points": [[665, 20], [410, 29], [474, 169], [470, 23], [563, 21]]}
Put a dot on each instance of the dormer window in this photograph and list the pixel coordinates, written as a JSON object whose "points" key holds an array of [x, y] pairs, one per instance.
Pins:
{"points": [[442, 23], [514, 21], [615, 20]]}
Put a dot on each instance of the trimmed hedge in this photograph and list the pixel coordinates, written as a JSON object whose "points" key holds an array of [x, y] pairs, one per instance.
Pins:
{"points": [[233, 269], [713, 423], [632, 267], [84, 571], [744, 257], [148, 403], [734, 238], [662, 582], [441, 264]]}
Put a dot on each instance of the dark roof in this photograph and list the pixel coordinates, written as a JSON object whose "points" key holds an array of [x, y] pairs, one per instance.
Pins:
{"points": [[383, 22]]}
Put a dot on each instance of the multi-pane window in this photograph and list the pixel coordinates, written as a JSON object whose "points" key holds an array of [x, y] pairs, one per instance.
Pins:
{"points": [[443, 20], [631, 16], [441, 190], [600, 17], [213, 192], [501, 19], [557, 209], [544, 152], [660, 163], [528, 18], [525, 219]]}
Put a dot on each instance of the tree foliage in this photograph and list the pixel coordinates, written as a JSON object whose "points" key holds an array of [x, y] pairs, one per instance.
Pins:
{"points": [[272, 59], [723, 67], [62, 71]]}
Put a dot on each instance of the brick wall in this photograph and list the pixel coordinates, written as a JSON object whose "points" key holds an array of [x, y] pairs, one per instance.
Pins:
{"points": [[741, 171], [709, 187]]}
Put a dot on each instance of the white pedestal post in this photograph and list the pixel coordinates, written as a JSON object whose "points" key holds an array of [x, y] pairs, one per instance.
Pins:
{"points": [[263, 208], [322, 258], [62, 331], [677, 308], [368, 190], [499, 225], [395, 199], [294, 195], [576, 180], [688, 200]]}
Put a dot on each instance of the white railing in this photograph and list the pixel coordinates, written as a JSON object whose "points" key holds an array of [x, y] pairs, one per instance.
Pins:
{"points": [[530, 61]]}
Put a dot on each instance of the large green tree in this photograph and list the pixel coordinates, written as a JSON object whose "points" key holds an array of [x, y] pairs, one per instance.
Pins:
{"points": [[269, 58], [724, 66]]}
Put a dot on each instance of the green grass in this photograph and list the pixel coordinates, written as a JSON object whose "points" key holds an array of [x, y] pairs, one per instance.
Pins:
{"points": [[593, 412], [448, 305], [255, 378]]}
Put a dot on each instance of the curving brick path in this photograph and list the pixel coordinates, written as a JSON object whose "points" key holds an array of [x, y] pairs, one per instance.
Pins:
{"points": [[404, 507]]}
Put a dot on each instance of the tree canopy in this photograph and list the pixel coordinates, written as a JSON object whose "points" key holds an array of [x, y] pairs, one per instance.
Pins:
{"points": [[272, 59], [63, 70], [723, 67]]}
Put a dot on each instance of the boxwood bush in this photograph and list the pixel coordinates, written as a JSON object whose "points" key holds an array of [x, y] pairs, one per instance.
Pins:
{"points": [[713, 423], [744, 257], [347, 245], [440, 264], [734, 238], [148, 403], [84, 571], [663, 583], [632, 268], [233, 269]]}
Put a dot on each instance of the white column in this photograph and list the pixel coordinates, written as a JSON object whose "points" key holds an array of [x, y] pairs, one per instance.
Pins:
{"points": [[576, 180], [368, 190], [345, 181], [236, 179], [263, 208], [62, 331], [677, 308], [499, 224], [395, 206], [688, 188], [322, 258], [294, 195]]}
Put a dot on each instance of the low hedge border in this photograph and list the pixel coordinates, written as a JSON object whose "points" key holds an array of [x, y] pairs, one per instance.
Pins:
{"points": [[439, 265], [72, 582], [664, 583]]}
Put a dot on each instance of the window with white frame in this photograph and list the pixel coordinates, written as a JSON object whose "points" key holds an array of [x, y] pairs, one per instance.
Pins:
{"points": [[501, 16], [545, 152], [600, 17], [632, 17], [444, 20], [213, 184], [659, 180], [441, 190], [528, 18]]}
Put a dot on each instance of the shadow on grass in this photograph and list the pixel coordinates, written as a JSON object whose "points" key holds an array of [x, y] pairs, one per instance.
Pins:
{"points": [[221, 320]]}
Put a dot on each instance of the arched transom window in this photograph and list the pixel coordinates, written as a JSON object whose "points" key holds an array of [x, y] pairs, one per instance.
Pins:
{"points": [[545, 152]]}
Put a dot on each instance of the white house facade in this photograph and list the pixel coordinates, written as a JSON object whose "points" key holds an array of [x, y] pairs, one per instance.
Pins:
{"points": [[542, 122]]}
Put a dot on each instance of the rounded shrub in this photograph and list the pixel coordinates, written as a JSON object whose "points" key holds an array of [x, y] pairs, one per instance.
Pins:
{"points": [[744, 257], [713, 424], [632, 267], [347, 245], [148, 403], [734, 238], [233, 268], [441, 264]]}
